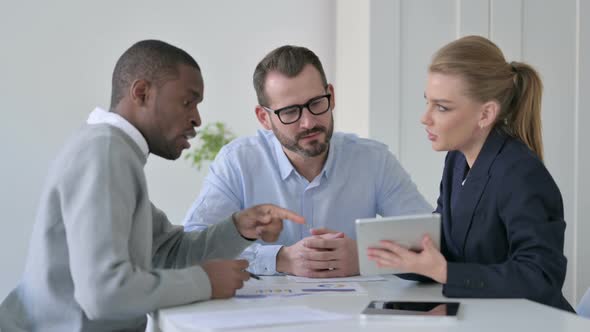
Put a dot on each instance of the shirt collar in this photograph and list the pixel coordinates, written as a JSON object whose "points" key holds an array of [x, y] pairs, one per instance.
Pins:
{"points": [[329, 165], [285, 166], [100, 116]]}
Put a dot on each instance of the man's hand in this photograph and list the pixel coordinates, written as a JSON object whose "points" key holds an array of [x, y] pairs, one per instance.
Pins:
{"points": [[226, 276], [264, 221], [325, 254]]}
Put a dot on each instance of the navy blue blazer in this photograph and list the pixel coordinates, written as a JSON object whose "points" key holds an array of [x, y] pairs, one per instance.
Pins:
{"points": [[503, 229]]}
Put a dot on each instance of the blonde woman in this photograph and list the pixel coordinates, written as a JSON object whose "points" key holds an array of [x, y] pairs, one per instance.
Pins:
{"points": [[502, 213]]}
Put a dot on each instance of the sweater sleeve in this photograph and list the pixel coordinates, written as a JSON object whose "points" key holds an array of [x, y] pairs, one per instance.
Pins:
{"points": [[174, 248], [100, 194]]}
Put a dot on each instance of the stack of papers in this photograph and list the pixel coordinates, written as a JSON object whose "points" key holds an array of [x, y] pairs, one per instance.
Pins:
{"points": [[253, 317], [343, 279], [261, 290]]}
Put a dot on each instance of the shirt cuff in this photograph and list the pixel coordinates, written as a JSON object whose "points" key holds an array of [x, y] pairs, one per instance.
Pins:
{"points": [[266, 260]]}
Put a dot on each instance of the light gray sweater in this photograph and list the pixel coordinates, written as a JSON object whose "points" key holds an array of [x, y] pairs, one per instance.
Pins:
{"points": [[101, 254]]}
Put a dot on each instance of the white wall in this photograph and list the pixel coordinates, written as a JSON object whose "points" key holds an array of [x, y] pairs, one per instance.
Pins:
{"points": [[55, 67], [352, 67], [549, 34], [581, 228]]}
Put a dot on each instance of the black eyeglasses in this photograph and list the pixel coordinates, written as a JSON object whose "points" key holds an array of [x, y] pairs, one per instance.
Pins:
{"points": [[291, 114]]}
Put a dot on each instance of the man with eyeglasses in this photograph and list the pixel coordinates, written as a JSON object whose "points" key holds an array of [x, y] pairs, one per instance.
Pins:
{"points": [[298, 162]]}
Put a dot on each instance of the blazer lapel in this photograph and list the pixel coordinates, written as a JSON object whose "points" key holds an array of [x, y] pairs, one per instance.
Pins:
{"points": [[453, 176], [469, 196], [473, 188]]}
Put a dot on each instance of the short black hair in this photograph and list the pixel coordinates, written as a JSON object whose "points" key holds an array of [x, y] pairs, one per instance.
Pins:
{"points": [[152, 60], [288, 60]]}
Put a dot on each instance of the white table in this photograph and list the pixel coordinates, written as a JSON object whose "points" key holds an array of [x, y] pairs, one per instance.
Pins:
{"points": [[474, 314]]}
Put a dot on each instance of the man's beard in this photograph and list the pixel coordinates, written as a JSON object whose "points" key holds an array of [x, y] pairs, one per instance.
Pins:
{"points": [[316, 148]]}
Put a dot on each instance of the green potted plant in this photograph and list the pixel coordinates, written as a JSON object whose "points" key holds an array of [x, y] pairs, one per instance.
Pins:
{"points": [[211, 139]]}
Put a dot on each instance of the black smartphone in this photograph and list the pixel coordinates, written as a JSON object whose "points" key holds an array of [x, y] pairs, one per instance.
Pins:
{"points": [[411, 308]]}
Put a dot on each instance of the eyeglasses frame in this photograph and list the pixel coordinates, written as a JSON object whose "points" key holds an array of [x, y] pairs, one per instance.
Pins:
{"points": [[301, 107]]}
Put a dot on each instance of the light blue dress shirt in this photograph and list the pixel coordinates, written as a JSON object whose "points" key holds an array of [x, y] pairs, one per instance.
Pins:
{"points": [[360, 179]]}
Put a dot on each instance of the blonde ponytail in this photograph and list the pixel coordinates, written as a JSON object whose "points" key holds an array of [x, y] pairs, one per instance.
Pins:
{"points": [[523, 119]]}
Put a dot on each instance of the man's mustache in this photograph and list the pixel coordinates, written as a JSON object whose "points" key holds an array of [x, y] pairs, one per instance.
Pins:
{"points": [[313, 130]]}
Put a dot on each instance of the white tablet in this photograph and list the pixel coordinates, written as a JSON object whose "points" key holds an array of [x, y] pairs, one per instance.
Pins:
{"points": [[407, 231]]}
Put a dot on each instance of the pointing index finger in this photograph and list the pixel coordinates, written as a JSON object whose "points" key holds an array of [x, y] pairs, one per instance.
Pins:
{"points": [[279, 212]]}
